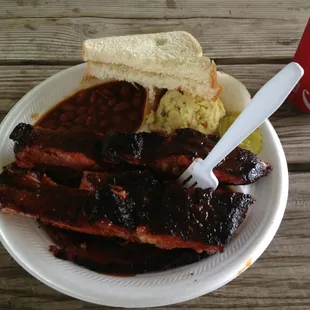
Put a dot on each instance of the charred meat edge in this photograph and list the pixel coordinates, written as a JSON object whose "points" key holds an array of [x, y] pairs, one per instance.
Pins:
{"points": [[135, 206], [168, 156]]}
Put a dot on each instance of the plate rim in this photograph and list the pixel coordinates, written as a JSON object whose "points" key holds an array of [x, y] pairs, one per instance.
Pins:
{"points": [[255, 250]]}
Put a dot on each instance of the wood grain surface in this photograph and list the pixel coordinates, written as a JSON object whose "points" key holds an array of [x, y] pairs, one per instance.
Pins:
{"points": [[37, 40], [251, 40], [137, 9]]}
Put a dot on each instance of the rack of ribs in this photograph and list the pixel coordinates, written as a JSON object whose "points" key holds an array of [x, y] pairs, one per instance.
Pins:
{"points": [[167, 156], [113, 255], [135, 206]]}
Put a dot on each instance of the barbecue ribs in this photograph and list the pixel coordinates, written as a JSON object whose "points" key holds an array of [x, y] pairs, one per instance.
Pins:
{"points": [[113, 255], [135, 206], [168, 156]]}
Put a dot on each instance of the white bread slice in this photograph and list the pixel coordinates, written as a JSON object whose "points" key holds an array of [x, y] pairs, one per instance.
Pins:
{"points": [[209, 89], [175, 53]]}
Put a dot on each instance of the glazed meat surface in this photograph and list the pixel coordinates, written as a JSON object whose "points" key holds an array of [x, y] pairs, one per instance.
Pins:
{"points": [[167, 156], [135, 206], [113, 255], [40, 146]]}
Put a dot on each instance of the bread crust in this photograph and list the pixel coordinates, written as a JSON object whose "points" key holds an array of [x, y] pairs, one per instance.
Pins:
{"points": [[169, 60], [153, 80], [172, 53], [214, 82]]}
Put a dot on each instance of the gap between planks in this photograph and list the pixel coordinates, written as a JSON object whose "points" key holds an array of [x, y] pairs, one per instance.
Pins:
{"points": [[133, 18], [33, 40], [219, 61], [263, 9]]}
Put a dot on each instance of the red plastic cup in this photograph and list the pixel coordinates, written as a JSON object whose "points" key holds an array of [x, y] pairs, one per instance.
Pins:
{"points": [[300, 96]]}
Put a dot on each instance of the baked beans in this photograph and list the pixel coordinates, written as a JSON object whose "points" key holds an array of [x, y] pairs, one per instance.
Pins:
{"points": [[115, 106]]}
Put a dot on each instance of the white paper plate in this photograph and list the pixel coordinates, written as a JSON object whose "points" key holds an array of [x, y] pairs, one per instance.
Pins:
{"points": [[28, 244]]}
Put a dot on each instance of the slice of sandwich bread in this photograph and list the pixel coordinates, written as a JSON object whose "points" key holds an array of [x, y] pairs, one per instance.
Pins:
{"points": [[170, 60]]}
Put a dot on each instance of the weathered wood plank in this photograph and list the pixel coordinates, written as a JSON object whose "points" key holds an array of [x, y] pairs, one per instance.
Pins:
{"points": [[29, 40], [156, 9], [280, 279], [292, 126], [16, 81]]}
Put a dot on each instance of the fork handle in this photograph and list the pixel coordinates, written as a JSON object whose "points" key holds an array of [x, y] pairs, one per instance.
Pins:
{"points": [[256, 112]]}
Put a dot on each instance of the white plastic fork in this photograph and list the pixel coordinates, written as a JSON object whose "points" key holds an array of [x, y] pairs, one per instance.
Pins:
{"points": [[266, 101]]}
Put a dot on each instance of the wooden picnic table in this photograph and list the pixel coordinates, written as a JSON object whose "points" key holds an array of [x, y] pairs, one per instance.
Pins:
{"points": [[251, 40]]}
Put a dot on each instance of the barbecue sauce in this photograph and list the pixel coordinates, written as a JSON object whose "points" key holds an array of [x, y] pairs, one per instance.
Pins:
{"points": [[114, 256], [117, 106], [114, 106]]}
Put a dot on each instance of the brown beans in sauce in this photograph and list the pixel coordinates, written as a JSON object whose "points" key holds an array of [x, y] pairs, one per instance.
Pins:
{"points": [[133, 116], [49, 124], [80, 96], [121, 106], [68, 106], [103, 123], [77, 127], [103, 107], [91, 110], [116, 119], [125, 90], [93, 97], [80, 119], [136, 102], [106, 92], [112, 102], [68, 116], [91, 121], [81, 110], [115, 106]]}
